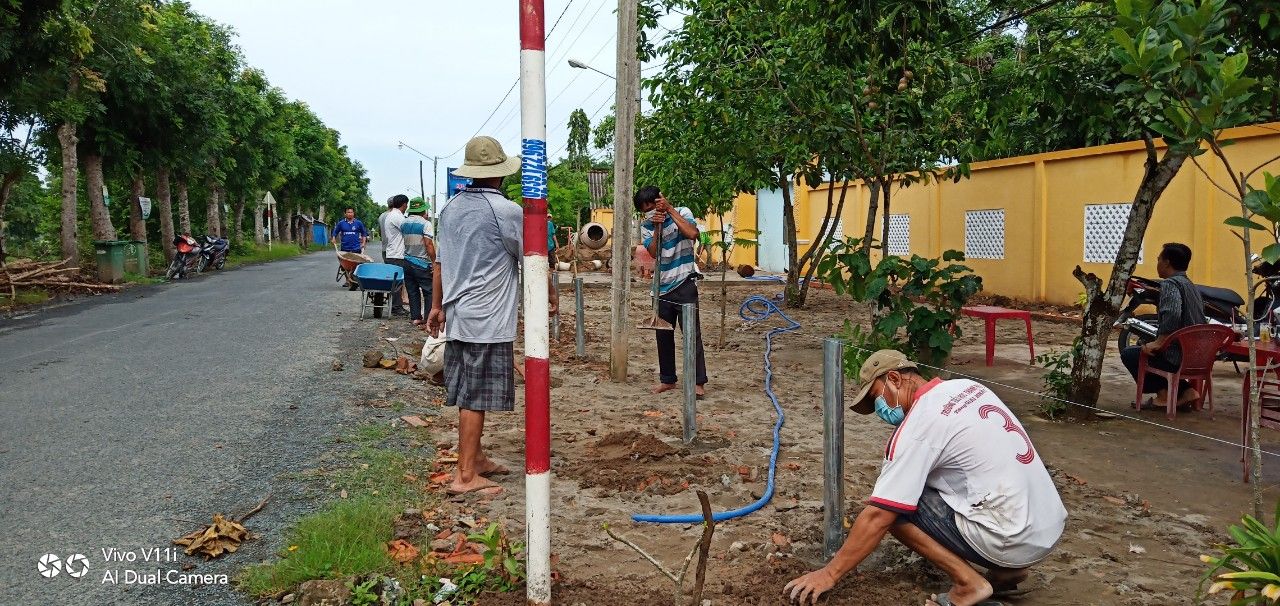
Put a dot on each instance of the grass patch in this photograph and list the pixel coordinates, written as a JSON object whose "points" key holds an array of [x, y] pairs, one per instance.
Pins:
{"points": [[132, 278], [24, 297], [261, 254], [347, 537]]}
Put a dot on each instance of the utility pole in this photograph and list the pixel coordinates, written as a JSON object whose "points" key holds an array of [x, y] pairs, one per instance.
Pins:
{"points": [[628, 80], [537, 346], [421, 187], [435, 185]]}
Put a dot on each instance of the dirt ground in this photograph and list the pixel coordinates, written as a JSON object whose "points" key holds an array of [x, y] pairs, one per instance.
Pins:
{"points": [[1144, 500]]}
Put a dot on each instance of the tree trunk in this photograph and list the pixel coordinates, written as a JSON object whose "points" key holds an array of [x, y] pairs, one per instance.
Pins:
{"points": [[1103, 308], [258, 238], [70, 174], [724, 285], [99, 216], [793, 296], [137, 225], [823, 243], [886, 187], [873, 186], [282, 233], [238, 208], [6, 189], [213, 209], [184, 207], [164, 206]]}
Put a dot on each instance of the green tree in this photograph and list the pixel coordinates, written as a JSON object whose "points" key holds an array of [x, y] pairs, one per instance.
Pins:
{"points": [[1183, 81]]}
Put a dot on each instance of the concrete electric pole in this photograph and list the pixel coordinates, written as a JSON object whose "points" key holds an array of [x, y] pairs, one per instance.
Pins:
{"points": [[628, 80]]}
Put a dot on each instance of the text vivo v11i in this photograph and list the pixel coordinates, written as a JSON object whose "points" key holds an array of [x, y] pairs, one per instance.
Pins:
{"points": [[146, 554]]}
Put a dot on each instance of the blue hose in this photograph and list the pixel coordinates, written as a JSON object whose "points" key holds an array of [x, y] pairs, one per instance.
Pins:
{"points": [[756, 309]]}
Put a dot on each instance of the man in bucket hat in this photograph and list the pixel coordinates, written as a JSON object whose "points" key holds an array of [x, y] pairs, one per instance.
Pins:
{"points": [[961, 485], [475, 298]]}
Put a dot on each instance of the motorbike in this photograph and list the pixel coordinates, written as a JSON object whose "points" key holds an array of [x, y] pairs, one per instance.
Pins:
{"points": [[213, 252], [1221, 305], [188, 258]]}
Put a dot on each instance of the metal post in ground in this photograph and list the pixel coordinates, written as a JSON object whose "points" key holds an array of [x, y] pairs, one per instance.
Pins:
{"points": [[537, 387], [688, 327], [832, 446], [579, 321]]}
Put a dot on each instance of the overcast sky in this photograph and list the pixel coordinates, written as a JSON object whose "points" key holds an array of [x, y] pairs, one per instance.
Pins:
{"points": [[428, 73]]}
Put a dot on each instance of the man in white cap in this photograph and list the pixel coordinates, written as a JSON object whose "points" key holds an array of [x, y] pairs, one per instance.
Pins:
{"points": [[479, 246], [961, 484]]}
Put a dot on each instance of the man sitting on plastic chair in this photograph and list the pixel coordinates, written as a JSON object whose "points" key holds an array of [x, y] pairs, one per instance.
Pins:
{"points": [[1180, 306]]}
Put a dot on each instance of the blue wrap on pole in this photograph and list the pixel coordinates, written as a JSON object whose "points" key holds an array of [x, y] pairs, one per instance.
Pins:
{"points": [[756, 309]]}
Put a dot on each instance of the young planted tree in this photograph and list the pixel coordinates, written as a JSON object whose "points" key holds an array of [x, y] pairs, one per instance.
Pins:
{"points": [[1171, 52], [1176, 54]]}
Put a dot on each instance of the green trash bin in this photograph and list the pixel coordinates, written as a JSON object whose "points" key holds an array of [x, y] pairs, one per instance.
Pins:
{"points": [[110, 258], [135, 257]]}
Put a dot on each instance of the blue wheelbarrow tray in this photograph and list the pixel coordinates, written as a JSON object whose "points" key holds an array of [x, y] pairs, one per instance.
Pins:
{"points": [[378, 279]]}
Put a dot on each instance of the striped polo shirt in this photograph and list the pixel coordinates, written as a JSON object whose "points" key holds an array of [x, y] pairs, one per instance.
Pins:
{"points": [[676, 261], [415, 230]]}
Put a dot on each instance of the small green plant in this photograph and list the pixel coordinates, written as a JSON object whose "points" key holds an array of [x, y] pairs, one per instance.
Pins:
{"points": [[1250, 567], [500, 563], [916, 302], [861, 344], [364, 593], [1057, 381]]}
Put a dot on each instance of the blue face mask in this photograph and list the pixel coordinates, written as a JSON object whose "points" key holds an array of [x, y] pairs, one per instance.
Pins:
{"points": [[890, 415]]}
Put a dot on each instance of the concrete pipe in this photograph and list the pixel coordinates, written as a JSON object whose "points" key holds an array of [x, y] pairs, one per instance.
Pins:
{"points": [[594, 236]]}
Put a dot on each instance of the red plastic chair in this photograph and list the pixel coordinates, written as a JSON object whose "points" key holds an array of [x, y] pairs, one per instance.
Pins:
{"points": [[1200, 345]]}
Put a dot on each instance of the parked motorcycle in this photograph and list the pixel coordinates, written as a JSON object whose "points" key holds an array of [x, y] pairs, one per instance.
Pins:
{"points": [[1221, 306], [188, 258], [213, 252]]}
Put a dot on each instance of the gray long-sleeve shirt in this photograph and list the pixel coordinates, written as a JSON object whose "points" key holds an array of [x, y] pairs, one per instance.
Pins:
{"points": [[479, 243]]}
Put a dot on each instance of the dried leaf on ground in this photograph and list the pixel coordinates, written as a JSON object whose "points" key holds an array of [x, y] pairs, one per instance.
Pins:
{"points": [[222, 536], [386, 363], [402, 551]]}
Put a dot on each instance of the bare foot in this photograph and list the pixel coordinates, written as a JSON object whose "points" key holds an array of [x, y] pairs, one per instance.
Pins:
{"points": [[961, 595], [479, 483], [661, 387], [488, 467], [1188, 396], [700, 391]]}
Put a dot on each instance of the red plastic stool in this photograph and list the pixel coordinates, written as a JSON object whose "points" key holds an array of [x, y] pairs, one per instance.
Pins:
{"points": [[990, 314]]}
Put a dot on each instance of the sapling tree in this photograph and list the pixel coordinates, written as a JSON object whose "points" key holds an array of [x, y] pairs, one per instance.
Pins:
{"points": [[1183, 82]]}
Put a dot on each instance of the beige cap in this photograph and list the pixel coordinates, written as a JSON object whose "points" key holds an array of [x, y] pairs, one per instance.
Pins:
{"points": [[876, 366], [485, 159]]}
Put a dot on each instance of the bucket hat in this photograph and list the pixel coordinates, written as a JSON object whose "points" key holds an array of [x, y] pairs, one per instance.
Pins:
{"points": [[484, 159]]}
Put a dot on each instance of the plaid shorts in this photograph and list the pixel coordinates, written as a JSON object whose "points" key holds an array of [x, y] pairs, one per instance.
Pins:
{"points": [[480, 376]]}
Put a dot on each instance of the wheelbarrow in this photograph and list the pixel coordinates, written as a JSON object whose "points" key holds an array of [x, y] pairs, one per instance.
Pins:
{"points": [[347, 263], [378, 282]]}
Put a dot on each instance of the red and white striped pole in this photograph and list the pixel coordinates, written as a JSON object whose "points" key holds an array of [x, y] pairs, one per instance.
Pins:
{"points": [[537, 387]]}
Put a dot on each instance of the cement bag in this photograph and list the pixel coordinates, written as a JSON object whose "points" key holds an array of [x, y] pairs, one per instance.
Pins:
{"points": [[432, 360]]}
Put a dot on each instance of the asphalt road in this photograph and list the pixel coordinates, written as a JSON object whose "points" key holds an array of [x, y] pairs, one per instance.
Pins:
{"points": [[126, 419]]}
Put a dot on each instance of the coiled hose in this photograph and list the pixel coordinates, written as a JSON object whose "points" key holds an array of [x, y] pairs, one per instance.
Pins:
{"points": [[756, 309]]}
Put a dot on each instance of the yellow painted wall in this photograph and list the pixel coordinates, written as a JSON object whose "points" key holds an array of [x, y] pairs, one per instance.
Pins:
{"points": [[1044, 196]]}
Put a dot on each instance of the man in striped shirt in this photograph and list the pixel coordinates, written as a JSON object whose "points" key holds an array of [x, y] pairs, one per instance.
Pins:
{"points": [[678, 276]]}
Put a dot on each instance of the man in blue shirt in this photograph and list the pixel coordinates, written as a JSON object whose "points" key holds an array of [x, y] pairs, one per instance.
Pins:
{"points": [[351, 233]]}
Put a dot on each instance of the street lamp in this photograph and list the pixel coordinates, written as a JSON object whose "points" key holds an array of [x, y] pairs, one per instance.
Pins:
{"points": [[580, 65]]}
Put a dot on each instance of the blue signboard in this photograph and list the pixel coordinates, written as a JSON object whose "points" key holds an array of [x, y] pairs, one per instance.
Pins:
{"points": [[454, 184]]}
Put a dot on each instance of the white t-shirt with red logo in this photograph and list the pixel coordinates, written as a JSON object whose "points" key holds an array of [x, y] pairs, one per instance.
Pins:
{"points": [[962, 441]]}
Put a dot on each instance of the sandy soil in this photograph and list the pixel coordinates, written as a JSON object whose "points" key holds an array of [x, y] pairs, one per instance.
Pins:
{"points": [[1145, 501]]}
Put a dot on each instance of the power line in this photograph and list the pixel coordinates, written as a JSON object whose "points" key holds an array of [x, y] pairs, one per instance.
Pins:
{"points": [[557, 23]]}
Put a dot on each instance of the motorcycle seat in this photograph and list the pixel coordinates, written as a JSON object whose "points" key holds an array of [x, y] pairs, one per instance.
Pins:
{"points": [[1224, 295]]}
